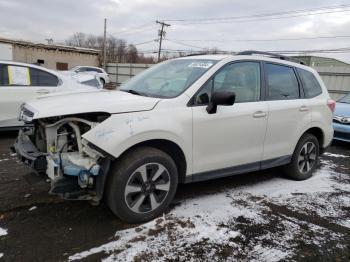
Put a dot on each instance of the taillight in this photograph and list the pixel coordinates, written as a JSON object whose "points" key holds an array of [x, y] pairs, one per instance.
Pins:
{"points": [[331, 104]]}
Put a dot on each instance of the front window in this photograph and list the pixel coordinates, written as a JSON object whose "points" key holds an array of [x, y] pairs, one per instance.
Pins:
{"points": [[345, 99], [242, 78], [168, 79]]}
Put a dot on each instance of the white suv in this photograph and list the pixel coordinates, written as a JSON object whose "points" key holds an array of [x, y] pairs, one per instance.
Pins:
{"points": [[183, 120]]}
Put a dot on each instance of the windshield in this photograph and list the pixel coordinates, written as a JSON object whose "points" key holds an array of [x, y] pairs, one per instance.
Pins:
{"points": [[168, 79], [345, 99]]}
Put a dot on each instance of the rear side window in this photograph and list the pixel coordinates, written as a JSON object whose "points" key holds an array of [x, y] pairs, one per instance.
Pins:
{"points": [[282, 82], [311, 86], [42, 78]]}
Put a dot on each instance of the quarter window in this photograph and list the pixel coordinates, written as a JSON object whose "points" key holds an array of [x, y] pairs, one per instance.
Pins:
{"points": [[242, 78], [311, 86], [42, 78], [282, 82]]}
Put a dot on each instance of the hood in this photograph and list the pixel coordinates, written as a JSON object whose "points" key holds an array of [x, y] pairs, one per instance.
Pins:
{"points": [[108, 101], [342, 109]]}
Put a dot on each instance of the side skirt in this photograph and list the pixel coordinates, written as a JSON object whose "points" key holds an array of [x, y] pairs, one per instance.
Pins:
{"points": [[236, 170]]}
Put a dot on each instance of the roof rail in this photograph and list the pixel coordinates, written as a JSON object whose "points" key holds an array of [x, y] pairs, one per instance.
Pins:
{"points": [[207, 53], [273, 55]]}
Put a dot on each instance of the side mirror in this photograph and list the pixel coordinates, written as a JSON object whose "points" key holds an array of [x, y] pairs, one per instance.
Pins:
{"points": [[220, 99]]}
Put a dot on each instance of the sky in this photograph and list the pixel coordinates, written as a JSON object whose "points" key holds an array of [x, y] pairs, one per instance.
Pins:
{"points": [[134, 21]]}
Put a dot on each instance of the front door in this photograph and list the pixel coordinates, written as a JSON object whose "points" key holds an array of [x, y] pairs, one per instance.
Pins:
{"points": [[234, 135]]}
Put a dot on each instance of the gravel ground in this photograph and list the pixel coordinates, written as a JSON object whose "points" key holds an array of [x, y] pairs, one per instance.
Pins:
{"points": [[259, 216]]}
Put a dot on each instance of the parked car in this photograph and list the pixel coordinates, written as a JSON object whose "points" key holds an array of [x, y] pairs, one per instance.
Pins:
{"points": [[101, 73], [20, 82], [183, 120], [341, 119]]}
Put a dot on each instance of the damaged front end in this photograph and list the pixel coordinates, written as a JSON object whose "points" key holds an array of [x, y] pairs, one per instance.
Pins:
{"points": [[76, 168]]}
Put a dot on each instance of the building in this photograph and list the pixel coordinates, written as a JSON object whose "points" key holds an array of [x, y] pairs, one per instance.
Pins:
{"points": [[318, 61], [335, 74], [57, 57]]}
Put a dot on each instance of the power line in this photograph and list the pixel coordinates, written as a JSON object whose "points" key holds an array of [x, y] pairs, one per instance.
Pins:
{"points": [[150, 41], [124, 30], [179, 43], [259, 15], [265, 19], [332, 50], [259, 40], [139, 30]]}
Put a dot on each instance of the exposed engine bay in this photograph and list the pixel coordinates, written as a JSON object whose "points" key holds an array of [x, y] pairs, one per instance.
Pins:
{"points": [[76, 168]]}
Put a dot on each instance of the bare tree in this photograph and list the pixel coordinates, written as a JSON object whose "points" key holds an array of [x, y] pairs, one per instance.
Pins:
{"points": [[77, 39], [117, 50], [132, 54]]}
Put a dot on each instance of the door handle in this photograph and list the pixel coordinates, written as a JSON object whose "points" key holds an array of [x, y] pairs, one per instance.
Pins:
{"points": [[303, 108], [259, 114], [43, 91]]}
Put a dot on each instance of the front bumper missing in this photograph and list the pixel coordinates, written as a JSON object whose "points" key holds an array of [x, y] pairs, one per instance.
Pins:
{"points": [[68, 180]]}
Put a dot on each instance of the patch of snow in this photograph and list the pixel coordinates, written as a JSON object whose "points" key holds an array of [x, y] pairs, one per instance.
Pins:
{"points": [[268, 254], [5, 159], [279, 186], [32, 208], [218, 220], [3, 232], [334, 155], [169, 235], [1, 255]]}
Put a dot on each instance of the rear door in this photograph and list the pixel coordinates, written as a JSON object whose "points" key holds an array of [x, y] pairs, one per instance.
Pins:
{"points": [[19, 84], [289, 112]]}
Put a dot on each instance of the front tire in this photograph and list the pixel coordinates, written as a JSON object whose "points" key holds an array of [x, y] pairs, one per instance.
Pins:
{"points": [[142, 184], [304, 159]]}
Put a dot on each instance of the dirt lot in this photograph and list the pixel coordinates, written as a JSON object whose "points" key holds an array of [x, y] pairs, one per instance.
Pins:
{"points": [[259, 216]]}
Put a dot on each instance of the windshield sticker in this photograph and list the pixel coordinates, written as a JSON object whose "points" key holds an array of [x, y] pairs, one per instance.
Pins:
{"points": [[19, 75], [205, 65]]}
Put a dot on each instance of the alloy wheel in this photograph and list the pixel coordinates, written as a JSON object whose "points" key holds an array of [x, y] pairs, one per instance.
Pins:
{"points": [[307, 157], [147, 187]]}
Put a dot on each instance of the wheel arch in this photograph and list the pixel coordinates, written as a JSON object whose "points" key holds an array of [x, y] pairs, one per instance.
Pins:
{"points": [[318, 133], [169, 147]]}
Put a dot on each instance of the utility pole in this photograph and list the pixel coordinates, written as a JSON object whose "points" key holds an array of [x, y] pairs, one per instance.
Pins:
{"points": [[104, 45], [161, 36]]}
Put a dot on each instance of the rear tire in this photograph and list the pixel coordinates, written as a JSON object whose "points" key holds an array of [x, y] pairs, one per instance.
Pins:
{"points": [[305, 158], [142, 184]]}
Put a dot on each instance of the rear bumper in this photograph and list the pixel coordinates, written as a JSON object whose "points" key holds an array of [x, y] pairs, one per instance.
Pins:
{"points": [[29, 154], [341, 132]]}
